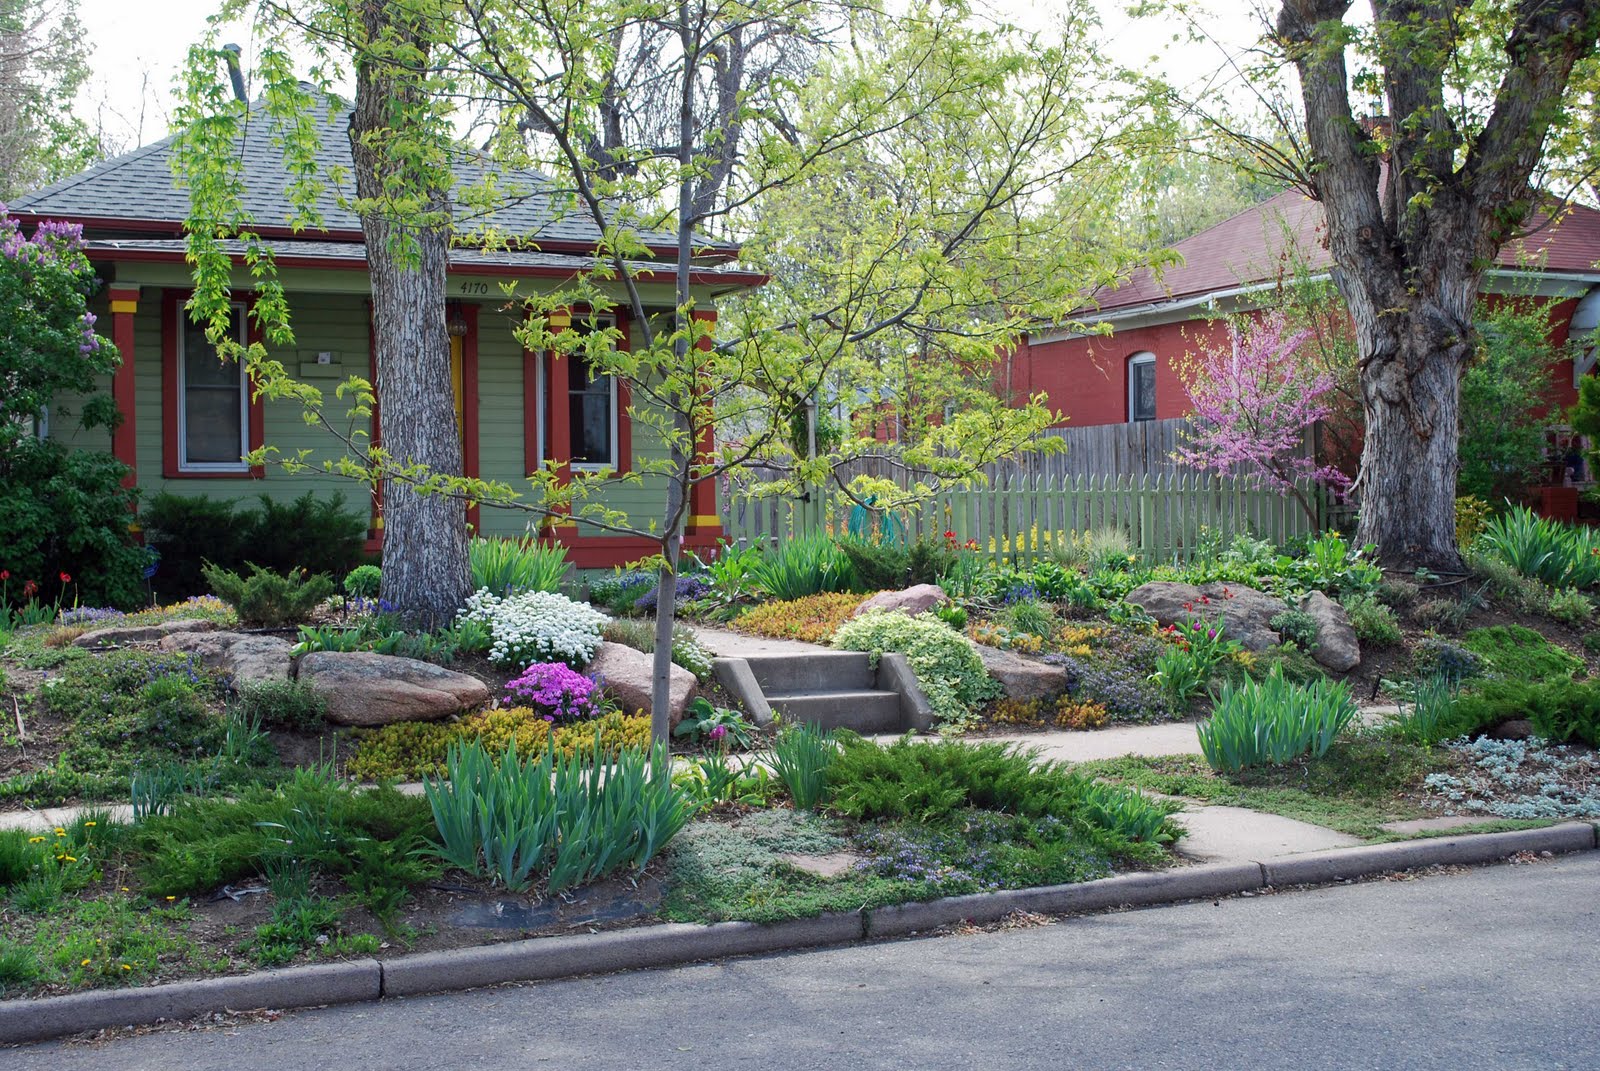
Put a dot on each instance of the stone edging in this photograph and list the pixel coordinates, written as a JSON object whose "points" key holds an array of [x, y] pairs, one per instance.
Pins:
{"points": [[546, 958]]}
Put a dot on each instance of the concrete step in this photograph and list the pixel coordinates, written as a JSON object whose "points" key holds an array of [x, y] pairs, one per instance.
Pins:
{"points": [[824, 670], [860, 710]]}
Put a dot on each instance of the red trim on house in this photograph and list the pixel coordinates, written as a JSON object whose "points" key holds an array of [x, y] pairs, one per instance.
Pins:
{"points": [[704, 522], [604, 552], [290, 260], [530, 410], [624, 399], [469, 404], [172, 302], [559, 415], [124, 439]]}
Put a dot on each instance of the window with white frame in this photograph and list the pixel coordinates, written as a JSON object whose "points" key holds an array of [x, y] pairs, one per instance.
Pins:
{"points": [[592, 406], [213, 401], [1141, 387]]}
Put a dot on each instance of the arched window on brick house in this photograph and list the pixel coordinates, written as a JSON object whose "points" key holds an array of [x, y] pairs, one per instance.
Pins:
{"points": [[1141, 386]]}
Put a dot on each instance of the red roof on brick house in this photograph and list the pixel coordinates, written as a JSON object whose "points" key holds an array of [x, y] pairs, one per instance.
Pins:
{"points": [[1260, 243]]}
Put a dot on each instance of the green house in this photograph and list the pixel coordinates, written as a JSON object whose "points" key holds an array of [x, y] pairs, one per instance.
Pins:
{"points": [[189, 420]]}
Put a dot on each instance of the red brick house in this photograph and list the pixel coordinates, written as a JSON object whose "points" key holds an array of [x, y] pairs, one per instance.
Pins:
{"points": [[1128, 374]]}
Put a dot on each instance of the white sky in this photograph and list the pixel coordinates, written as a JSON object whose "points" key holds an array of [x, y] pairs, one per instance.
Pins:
{"points": [[139, 47]]}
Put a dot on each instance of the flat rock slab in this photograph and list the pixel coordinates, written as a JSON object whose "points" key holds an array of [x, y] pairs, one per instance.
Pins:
{"points": [[823, 866], [1023, 678], [1236, 835], [1429, 825], [119, 635], [243, 657], [369, 690], [629, 676]]}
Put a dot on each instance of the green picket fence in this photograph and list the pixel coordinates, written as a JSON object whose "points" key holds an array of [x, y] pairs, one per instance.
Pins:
{"points": [[1015, 519]]}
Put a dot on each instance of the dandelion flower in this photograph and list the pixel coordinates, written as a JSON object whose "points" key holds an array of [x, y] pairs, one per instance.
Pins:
{"points": [[85, 963]]}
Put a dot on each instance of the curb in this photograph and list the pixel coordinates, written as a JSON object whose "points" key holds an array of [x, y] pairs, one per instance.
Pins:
{"points": [[350, 982], [541, 959], [547, 958], [1337, 864]]}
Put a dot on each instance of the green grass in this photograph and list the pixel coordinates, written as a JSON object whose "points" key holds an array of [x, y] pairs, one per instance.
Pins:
{"points": [[1361, 784], [113, 941]]}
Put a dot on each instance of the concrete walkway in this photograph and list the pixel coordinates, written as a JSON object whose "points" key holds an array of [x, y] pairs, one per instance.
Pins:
{"points": [[1238, 835], [725, 644]]}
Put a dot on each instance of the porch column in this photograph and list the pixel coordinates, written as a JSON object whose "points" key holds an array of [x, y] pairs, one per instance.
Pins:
{"points": [[704, 524], [124, 440]]}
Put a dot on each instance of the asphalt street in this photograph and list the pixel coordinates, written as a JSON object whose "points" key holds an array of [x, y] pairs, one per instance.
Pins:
{"points": [[1487, 968]]}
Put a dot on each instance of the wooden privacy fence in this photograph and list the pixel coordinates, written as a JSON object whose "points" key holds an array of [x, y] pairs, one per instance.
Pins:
{"points": [[1016, 519], [1132, 449]]}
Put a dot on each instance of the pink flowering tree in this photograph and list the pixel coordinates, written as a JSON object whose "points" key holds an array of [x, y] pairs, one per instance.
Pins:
{"points": [[1253, 402]]}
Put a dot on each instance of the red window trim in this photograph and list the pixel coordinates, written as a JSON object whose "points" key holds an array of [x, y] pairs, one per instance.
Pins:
{"points": [[172, 302], [532, 364]]}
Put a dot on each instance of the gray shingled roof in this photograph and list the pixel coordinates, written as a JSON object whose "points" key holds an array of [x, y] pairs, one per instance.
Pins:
{"points": [[140, 185]]}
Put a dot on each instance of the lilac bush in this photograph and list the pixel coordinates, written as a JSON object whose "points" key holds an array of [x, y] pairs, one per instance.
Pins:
{"points": [[557, 691]]}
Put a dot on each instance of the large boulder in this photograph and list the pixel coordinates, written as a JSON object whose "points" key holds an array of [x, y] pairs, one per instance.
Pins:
{"points": [[121, 635], [369, 690], [1246, 613], [1023, 678], [917, 599], [627, 675], [1337, 645], [243, 657]]}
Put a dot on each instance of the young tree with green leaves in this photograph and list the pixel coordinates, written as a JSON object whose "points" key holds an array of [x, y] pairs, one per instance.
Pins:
{"points": [[915, 184]]}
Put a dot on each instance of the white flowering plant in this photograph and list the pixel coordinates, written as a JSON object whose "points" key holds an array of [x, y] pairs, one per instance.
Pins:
{"points": [[536, 626]]}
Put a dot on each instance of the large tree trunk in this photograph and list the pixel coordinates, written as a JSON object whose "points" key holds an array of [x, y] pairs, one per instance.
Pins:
{"points": [[425, 570], [1411, 398], [1410, 243]]}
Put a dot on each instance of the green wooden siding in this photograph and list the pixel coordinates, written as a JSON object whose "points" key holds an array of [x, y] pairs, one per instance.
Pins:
{"points": [[337, 323]]}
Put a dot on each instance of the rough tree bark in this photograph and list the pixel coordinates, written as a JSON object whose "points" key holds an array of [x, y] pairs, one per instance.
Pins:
{"points": [[425, 569], [1411, 241]]}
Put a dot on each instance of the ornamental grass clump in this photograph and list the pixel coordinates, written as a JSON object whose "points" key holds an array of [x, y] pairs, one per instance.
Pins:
{"points": [[1272, 722], [537, 626], [801, 755], [807, 566], [946, 663], [1556, 554], [512, 818], [515, 566], [557, 691]]}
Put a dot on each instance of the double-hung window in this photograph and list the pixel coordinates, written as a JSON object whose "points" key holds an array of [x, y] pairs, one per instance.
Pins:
{"points": [[213, 402], [592, 412]]}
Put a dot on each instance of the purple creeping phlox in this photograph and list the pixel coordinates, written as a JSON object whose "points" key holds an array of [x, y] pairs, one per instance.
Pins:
{"points": [[557, 691]]}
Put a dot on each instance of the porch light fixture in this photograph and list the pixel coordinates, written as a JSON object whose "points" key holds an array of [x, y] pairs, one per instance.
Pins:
{"points": [[455, 320]]}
